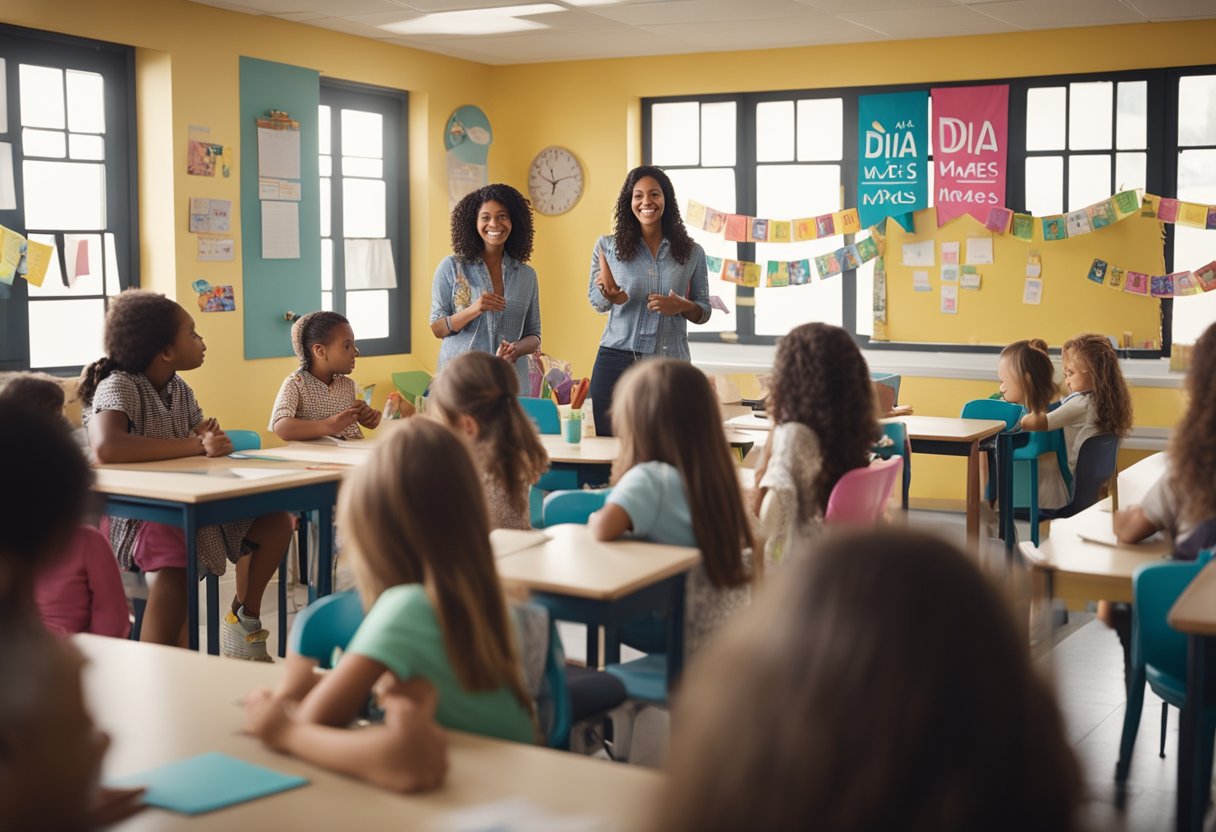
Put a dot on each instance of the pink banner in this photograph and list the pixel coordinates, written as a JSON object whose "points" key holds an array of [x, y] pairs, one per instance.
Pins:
{"points": [[970, 126]]}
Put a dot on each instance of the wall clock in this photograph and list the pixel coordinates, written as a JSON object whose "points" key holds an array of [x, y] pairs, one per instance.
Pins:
{"points": [[555, 181]]}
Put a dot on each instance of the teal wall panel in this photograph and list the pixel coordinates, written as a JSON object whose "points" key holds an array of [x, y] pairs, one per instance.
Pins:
{"points": [[272, 287]]}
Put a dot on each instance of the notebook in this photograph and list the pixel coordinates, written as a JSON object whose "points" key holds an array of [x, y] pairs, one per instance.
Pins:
{"points": [[208, 782]]}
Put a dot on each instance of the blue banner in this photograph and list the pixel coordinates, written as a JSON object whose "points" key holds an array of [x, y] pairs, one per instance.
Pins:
{"points": [[892, 153]]}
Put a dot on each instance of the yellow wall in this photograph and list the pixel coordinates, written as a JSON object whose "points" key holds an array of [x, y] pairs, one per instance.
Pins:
{"points": [[187, 64]]}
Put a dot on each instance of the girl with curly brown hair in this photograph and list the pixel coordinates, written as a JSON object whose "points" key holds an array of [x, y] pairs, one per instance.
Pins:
{"points": [[485, 296], [1098, 403], [822, 403], [651, 279]]}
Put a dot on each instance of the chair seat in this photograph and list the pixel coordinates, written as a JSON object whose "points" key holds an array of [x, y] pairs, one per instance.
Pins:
{"points": [[1168, 687], [592, 693], [645, 679]]}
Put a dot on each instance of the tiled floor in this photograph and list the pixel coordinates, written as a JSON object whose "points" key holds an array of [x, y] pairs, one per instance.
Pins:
{"points": [[1085, 663]]}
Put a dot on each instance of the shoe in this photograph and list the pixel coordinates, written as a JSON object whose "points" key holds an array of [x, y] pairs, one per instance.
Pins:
{"points": [[242, 637]]}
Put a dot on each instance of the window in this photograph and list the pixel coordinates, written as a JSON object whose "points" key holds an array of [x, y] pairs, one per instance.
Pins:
{"points": [[67, 179], [1073, 140], [365, 213]]}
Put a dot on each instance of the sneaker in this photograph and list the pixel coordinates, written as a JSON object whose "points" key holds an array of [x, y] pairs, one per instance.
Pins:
{"points": [[242, 637]]}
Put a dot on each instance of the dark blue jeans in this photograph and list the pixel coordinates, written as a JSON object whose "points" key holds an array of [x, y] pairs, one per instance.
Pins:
{"points": [[609, 365]]}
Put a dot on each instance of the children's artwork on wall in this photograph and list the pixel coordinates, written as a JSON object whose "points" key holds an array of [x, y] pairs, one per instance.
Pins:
{"points": [[202, 153], [466, 137], [214, 298], [950, 300], [1032, 293], [713, 265]]}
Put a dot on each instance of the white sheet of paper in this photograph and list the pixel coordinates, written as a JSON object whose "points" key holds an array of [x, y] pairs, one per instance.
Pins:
{"points": [[950, 300], [1033, 291], [950, 274], [8, 193], [1033, 269], [216, 248], [920, 282], [268, 189], [259, 473], [970, 281], [280, 230], [950, 253], [289, 190], [979, 251], [369, 264], [278, 153], [918, 254]]}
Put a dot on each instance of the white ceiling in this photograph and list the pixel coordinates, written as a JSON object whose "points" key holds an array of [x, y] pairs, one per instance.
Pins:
{"points": [[622, 28]]}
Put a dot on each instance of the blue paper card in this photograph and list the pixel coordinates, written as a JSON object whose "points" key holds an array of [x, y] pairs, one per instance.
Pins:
{"points": [[208, 782]]}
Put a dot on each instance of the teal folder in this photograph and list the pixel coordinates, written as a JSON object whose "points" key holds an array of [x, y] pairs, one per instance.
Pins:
{"points": [[208, 782]]}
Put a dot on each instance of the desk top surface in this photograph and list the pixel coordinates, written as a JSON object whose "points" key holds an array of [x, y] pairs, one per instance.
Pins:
{"points": [[206, 479], [161, 704], [1086, 545], [569, 561], [1194, 612], [943, 428]]}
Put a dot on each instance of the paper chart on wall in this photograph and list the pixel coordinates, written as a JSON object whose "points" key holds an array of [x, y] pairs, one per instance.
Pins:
{"points": [[369, 264], [280, 230], [918, 254], [216, 248], [278, 153], [979, 251]]}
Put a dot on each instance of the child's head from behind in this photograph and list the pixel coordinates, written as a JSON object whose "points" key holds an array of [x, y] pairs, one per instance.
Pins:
{"points": [[325, 343], [1091, 365], [1027, 375], [898, 694], [39, 390], [666, 411], [143, 330], [41, 506], [821, 380], [1193, 441], [414, 514], [477, 394]]}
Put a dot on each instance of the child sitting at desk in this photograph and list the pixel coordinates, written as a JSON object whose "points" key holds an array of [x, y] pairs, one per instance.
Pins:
{"points": [[414, 519], [50, 750], [825, 424], [883, 685], [81, 592], [477, 394], [674, 482], [318, 399], [138, 409]]}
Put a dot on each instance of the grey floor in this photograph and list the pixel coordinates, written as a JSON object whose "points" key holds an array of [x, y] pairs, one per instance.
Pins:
{"points": [[1085, 663]]}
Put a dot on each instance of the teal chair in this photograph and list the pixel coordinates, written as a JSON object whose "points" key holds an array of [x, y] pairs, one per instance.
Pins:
{"points": [[1159, 658], [326, 626], [573, 506], [245, 440], [897, 432], [543, 413]]}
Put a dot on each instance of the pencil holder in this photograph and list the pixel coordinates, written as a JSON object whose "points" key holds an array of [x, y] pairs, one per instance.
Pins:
{"points": [[572, 425]]}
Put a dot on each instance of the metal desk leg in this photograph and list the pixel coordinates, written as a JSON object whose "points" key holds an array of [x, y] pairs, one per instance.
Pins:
{"points": [[973, 491], [302, 521], [325, 561], [188, 528], [675, 634], [612, 646], [1004, 467], [1192, 793], [593, 647], [213, 615]]}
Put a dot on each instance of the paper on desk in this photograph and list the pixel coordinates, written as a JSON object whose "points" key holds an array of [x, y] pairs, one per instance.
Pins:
{"points": [[509, 541], [1106, 537], [208, 782], [516, 815], [252, 473]]}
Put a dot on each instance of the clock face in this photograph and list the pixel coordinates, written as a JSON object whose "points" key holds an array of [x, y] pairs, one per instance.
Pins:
{"points": [[555, 181]]}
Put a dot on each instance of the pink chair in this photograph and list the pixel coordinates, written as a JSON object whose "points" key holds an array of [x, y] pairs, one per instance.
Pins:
{"points": [[861, 496]]}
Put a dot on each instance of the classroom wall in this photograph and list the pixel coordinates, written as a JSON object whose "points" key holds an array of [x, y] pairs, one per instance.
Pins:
{"points": [[187, 59]]}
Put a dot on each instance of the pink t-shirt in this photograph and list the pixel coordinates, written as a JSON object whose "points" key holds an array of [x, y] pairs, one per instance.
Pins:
{"points": [[82, 592]]}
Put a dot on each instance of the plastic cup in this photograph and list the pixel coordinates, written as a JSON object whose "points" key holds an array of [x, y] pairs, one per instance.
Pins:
{"points": [[572, 427]]}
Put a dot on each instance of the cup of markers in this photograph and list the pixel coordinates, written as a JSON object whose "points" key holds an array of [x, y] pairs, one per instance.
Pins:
{"points": [[572, 425]]}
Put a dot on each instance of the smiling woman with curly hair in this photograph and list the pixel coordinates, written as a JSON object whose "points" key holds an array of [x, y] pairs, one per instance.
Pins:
{"points": [[485, 296], [822, 403], [650, 277]]}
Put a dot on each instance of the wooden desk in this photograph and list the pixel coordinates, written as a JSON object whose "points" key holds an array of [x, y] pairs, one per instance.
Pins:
{"points": [[1194, 613], [1082, 570], [605, 585], [200, 491], [593, 450], [319, 452], [162, 704]]}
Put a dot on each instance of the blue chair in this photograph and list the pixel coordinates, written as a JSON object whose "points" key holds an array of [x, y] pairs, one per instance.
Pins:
{"points": [[1159, 658], [1096, 463], [245, 440], [897, 432], [573, 506], [543, 413], [325, 626]]}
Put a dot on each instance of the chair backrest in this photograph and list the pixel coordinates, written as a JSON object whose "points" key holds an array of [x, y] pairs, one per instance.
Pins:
{"points": [[897, 432], [860, 496], [891, 380], [537, 631], [245, 440], [573, 506], [1155, 588], [885, 395], [543, 413], [1008, 412], [326, 625], [1095, 466]]}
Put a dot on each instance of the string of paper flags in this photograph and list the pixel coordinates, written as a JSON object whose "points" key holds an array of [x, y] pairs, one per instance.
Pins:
{"points": [[1175, 285]]}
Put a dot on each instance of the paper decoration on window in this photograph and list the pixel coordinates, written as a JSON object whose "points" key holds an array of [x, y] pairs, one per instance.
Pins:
{"points": [[1176, 285], [892, 138], [713, 265], [741, 273], [970, 126], [369, 264]]}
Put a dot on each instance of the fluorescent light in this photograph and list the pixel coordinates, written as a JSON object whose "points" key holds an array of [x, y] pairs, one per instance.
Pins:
{"points": [[494, 21]]}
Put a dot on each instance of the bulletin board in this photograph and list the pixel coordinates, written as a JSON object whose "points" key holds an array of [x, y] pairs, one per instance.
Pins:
{"points": [[273, 287], [995, 313]]}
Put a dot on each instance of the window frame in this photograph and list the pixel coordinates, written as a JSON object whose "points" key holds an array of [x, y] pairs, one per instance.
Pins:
{"points": [[393, 105], [1161, 161], [116, 64]]}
